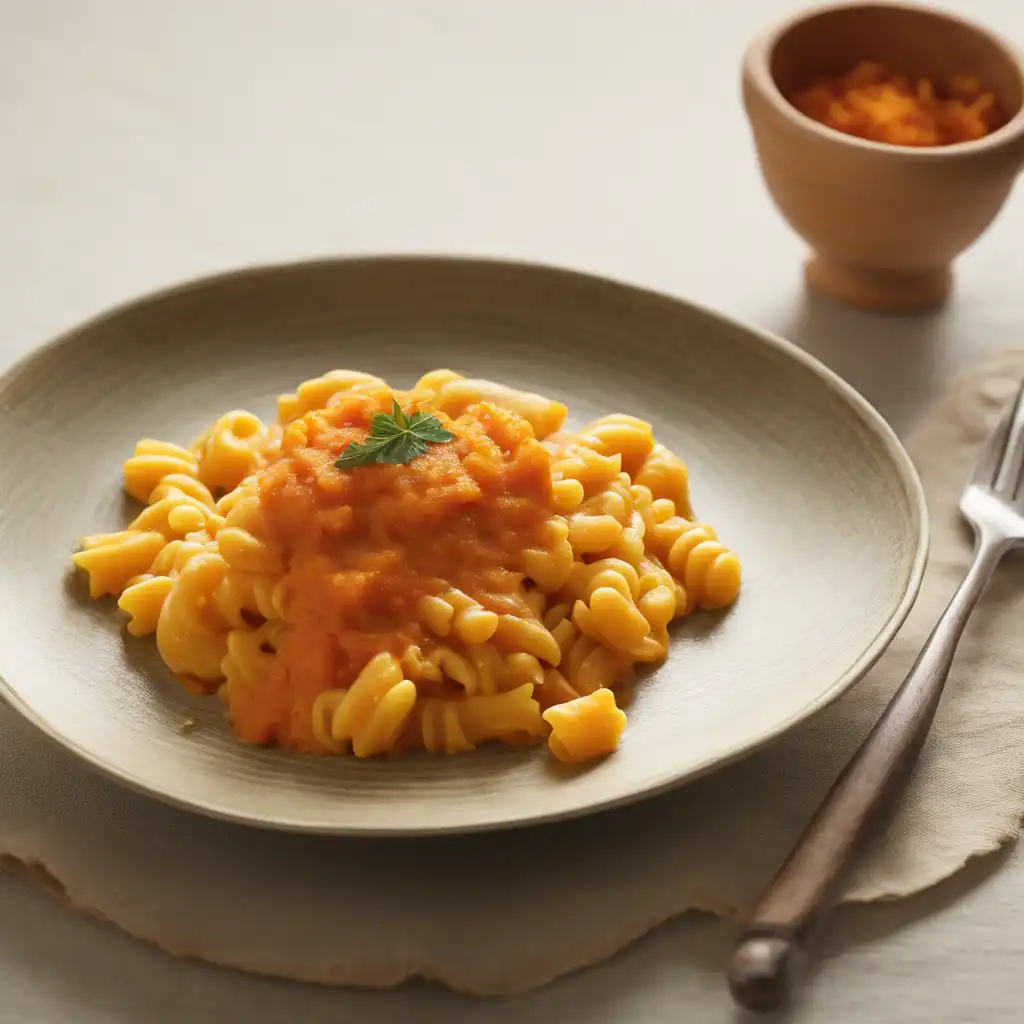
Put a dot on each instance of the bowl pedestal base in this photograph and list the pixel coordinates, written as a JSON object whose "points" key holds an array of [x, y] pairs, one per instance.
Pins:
{"points": [[884, 291]]}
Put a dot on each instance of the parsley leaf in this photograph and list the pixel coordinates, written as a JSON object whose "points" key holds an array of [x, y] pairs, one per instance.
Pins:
{"points": [[394, 439], [428, 428]]}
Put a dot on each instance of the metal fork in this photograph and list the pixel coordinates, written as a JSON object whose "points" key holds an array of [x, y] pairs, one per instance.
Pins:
{"points": [[767, 956]]}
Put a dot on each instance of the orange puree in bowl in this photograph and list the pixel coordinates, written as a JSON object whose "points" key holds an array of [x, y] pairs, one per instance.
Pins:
{"points": [[362, 546], [873, 103]]}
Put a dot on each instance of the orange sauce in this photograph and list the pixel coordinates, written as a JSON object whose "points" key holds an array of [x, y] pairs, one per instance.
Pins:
{"points": [[874, 103], [364, 545]]}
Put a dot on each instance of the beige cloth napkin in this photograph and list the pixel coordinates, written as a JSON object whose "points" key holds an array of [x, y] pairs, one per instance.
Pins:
{"points": [[506, 912]]}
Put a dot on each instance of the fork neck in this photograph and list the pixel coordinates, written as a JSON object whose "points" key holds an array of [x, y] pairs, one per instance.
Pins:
{"points": [[990, 545], [989, 548]]}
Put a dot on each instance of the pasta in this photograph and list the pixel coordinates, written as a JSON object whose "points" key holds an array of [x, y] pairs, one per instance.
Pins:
{"points": [[381, 571]]}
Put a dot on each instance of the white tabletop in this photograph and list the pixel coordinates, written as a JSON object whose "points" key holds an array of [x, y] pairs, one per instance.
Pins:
{"points": [[147, 141]]}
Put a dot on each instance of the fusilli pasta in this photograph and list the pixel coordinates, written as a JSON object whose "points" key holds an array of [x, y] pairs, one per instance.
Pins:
{"points": [[500, 585]]}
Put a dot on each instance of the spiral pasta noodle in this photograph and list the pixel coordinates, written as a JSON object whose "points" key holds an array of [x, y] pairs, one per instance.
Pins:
{"points": [[499, 585]]}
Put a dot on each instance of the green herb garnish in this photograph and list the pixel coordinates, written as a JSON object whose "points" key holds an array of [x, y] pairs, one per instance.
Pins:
{"points": [[394, 439]]}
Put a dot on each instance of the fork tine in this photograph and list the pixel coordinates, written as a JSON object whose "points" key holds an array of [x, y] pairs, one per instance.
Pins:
{"points": [[1011, 460]]}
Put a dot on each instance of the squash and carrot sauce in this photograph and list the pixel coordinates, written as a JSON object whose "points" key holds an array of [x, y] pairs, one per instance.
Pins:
{"points": [[364, 546], [872, 102]]}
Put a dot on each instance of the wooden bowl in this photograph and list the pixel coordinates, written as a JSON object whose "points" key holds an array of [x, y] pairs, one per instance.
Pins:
{"points": [[884, 222]]}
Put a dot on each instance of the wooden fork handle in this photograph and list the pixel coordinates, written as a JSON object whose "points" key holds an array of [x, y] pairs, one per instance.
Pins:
{"points": [[768, 953]]}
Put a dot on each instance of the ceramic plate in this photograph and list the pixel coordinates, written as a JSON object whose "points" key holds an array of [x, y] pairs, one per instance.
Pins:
{"points": [[793, 468]]}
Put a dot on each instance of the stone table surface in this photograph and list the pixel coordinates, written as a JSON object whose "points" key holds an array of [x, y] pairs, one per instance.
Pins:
{"points": [[146, 142]]}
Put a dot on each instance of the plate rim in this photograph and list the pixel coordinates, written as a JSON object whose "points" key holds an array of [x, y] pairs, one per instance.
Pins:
{"points": [[867, 413]]}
